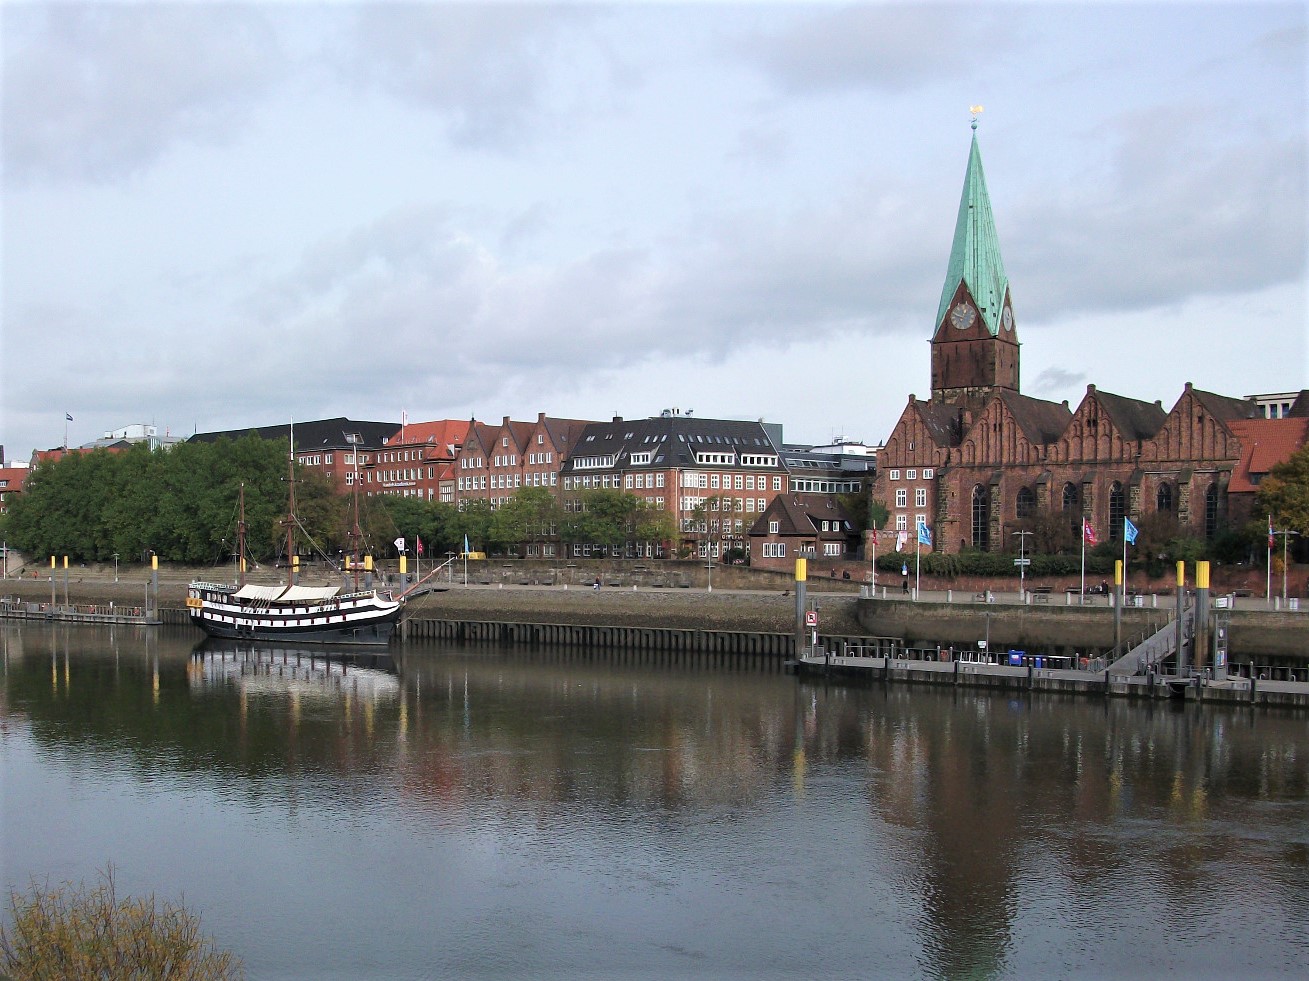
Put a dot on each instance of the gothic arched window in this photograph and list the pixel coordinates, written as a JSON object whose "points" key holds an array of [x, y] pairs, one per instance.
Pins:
{"points": [[1117, 511], [1211, 511], [981, 518], [1026, 503], [1164, 498]]}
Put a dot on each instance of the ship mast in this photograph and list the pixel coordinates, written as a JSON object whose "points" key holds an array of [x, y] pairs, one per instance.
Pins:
{"points": [[290, 512], [240, 538], [355, 440]]}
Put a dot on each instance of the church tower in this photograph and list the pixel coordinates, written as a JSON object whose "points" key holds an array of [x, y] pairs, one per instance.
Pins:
{"points": [[975, 345]]}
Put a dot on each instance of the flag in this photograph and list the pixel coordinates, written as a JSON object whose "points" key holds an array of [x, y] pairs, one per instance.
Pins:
{"points": [[900, 538], [1129, 531], [1088, 533], [420, 544], [924, 534], [1271, 540], [399, 544], [68, 417], [466, 548]]}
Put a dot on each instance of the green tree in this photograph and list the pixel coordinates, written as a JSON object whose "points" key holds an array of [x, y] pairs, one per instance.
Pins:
{"points": [[1284, 493], [531, 516]]}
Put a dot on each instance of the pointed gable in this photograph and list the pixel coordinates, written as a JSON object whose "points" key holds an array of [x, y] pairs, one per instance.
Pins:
{"points": [[1198, 427], [922, 436], [1110, 428], [1013, 428], [975, 254]]}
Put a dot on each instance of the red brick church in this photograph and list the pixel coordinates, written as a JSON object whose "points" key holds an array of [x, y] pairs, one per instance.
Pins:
{"points": [[979, 461]]}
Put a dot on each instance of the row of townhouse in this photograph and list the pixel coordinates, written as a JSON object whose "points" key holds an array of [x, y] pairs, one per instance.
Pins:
{"points": [[715, 478]]}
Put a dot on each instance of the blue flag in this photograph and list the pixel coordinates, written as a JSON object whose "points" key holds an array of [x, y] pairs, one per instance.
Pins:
{"points": [[1129, 531], [466, 548], [924, 534]]}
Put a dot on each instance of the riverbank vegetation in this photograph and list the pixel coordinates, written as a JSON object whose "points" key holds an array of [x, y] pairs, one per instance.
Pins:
{"points": [[183, 506], [76, 932]]}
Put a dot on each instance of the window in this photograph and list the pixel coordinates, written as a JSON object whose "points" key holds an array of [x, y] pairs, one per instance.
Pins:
{"points": [[1117, 511], [774, 527], [901, 497], [777, 483], [920, 497], [911, 475], [1164, 499], [902, 522], [1026, 503], [1211, 511], [895, 474], [981, 518], [928, 473]]}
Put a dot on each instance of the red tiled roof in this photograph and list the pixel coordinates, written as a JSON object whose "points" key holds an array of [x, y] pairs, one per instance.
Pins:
{"points": [[1264, 444], [440, 433]]}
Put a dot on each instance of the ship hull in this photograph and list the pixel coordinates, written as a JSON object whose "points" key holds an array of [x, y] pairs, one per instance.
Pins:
{"points": [[356, 619]]}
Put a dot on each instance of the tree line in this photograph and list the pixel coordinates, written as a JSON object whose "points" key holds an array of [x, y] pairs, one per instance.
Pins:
{"points": [[182, 504]]}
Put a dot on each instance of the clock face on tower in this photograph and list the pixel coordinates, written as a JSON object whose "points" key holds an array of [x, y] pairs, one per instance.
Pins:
{"points": [[962, 316], [1008, 319]]}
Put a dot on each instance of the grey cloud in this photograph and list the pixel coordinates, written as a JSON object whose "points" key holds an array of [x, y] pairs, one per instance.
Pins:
{"points": [[485, 67], [1187, 213], [96, 91], [1056, 380], [414, 295], [893, 47]]}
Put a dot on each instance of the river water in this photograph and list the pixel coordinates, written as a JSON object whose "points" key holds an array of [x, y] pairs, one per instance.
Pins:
{"points": [[489, 813]]}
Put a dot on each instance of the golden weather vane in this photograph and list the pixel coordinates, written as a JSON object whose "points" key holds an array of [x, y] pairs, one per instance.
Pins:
{"points": [[976, 111]]}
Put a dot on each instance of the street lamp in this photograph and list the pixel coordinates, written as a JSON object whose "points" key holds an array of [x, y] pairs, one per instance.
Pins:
{"points": [[115, 567], [1022, 563]]}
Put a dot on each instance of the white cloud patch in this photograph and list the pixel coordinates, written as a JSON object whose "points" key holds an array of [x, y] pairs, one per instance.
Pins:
{"points": [[485, 67], [93, 92], [892, 47]]}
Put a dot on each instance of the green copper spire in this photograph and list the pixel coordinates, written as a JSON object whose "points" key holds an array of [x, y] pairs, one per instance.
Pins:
{"points": [[975, 254]]}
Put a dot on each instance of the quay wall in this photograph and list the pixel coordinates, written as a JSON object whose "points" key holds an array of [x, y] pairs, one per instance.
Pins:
{"points": [[1054, 628], [1254, 634]]}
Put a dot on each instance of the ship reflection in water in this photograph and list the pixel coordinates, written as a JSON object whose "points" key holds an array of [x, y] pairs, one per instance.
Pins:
{"points": [[269, 669]]}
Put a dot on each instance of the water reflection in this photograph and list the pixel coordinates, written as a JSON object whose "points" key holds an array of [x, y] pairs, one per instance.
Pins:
{"points": [[945, 834]]}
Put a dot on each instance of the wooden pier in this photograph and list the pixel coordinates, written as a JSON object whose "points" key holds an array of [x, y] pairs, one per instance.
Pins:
{"points": [[14, 608]]}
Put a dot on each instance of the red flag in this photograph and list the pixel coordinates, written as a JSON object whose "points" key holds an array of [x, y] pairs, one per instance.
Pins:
{"points": [[420, 545], [1271, 541], [1088, 532]]}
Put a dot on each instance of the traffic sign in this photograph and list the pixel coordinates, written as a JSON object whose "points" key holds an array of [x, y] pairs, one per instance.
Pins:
{"points": [[1022, 561], [811, 618]]}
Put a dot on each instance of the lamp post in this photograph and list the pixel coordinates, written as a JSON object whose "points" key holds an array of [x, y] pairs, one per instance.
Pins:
{"points": [[115, 567], [1022, 563]]}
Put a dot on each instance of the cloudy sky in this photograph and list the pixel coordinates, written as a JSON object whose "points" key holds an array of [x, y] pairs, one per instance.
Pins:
{"points": [[228, 215]]}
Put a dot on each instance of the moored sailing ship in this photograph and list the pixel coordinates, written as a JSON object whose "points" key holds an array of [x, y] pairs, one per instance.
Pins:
{"points": [[289, 611]]}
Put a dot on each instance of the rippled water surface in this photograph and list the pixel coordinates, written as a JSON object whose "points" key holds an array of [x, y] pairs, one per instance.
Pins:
{"points": [[540, 814]]}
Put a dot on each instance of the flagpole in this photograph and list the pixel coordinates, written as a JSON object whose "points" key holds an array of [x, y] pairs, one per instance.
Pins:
{"points": [[875, 560], [1081, 601], [1123, 600], [918, 565], [1268, 584]]}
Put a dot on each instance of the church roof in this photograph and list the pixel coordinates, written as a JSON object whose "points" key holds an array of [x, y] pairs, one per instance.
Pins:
{"points": [[1133, 418], [1042, 422], [1225, 408], [941, 420], [975, 254]]}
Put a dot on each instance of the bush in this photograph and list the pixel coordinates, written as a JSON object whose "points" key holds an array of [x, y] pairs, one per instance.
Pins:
{"points": [[74, 933]]}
